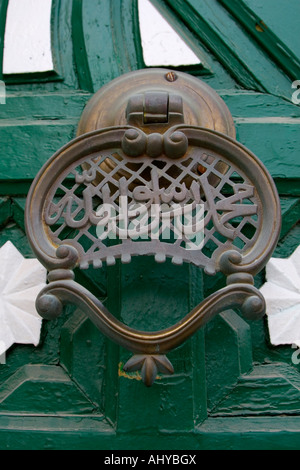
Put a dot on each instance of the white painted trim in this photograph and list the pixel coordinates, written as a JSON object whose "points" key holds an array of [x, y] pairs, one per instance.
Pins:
{"points": [[27, 43], [21, 280], [282, 294], [162, 46], [268, 120]]}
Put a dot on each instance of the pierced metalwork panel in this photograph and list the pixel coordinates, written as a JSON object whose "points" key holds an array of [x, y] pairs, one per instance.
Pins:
{"points": [[228, 208], [192, 208]]}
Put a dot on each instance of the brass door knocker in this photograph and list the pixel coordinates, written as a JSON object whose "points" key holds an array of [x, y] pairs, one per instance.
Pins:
{"points": [[155, 168]]}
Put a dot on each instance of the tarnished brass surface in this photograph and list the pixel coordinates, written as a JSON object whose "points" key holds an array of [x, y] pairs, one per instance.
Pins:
{"points": [[154, 164], [154, 101], [202, 106]]}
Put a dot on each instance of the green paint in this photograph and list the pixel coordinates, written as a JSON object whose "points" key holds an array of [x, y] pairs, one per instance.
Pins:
{"points": [[248, 104], [290, 214], [215, 28], [289, 243], [5, 211], [269, 390], [274, 139], [3, 11], [44, 106], [151, 297], [55, 391], [18, 209], [82, 66], [93, 433], [111, 38], [37, 142], [232, 389], [82, 355], [205, 32], [281, 18], [11, 232], [234, 349], [277, 145], [125, 30], [260, 28]]}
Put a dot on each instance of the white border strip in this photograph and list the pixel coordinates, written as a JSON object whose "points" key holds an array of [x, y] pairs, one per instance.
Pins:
{"points": [[27, 43], [162, 45]]}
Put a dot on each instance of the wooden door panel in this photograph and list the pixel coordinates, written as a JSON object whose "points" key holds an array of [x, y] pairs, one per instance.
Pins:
{"points": [[71, 391], [35, 389], [268, 390], [273, 29]]}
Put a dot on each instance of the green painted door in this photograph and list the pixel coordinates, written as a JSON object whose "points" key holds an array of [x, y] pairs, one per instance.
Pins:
{"points": [[232, 388]]}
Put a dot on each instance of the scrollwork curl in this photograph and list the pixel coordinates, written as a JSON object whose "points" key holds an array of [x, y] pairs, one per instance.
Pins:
{"points": [[134, 143], [231, 262], [175, 144], [67, 257]]}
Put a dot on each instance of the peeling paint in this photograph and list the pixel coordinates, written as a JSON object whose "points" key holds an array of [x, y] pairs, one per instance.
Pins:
{"points": [[131, 375]]}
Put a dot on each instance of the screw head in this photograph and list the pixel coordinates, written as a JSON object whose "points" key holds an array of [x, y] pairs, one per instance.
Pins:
{"points": [[171, 77]]}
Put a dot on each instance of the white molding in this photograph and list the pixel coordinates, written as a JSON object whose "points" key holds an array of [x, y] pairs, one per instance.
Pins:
{"points": [[282, 294], [162, 46], [27, 42], [21, 280]]}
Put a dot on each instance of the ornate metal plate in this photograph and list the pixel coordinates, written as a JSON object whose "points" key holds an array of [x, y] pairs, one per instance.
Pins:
{"points": [[123, 167]]}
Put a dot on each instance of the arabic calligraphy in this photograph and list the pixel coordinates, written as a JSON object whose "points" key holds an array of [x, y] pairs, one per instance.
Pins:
{"points": [[152, 209]]}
